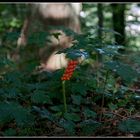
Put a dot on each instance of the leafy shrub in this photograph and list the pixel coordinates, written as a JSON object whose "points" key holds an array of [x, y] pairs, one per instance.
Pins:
{"points": [[101, 82]]}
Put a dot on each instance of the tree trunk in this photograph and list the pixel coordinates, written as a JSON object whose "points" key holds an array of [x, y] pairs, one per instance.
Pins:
{"points": [[100, 24], [118, 16], [100, 19]]}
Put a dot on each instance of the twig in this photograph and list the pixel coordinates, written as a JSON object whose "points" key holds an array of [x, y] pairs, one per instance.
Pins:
{"points": [[103, 96], [119, 115]]}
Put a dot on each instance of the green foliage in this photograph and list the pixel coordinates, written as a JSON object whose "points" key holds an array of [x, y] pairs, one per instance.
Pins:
{"points": [[40, 97], [130, 125], [57, 108], [101, 82], [77, 99], [69, 126], [44, 113], [112, 106], [88, 127], [9, 132], [38, 38], [126, 72], [89, 113], [12, 110], [78, 88], [72, 117]]}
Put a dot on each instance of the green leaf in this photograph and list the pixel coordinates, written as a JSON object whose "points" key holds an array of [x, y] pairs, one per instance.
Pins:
{"points": [[44, 113], [74, 54], [11, 92], [136, 97], [72, 117], [10, 132], [126, 72], [13, 110], [57, 108], [88, 127], [55, 95], [22, 117], [31, 65], [135, 58], [39, 38], [74, 108], [38, 86], [40, 97], [122, 103], [77, 99], [78, 88], [109, 50], [129, 125], [12, 77], [58, 114], [89, 113], [69, 126], [91, 83], [5, 110], [112, 106]]}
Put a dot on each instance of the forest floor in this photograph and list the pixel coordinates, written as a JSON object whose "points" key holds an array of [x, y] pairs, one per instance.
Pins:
{"points": [[109, 118]]}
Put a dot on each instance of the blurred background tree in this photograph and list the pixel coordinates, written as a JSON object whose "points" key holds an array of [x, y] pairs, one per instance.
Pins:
{"points": [[118, 19], [122, 18], [117, 23]]}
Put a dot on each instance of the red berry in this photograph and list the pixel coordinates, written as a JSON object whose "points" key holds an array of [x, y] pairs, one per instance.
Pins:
{"points": [[69, 70]]}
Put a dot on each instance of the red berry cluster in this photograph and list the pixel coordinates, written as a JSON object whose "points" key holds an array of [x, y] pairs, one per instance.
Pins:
{"points": [[69, 70]]}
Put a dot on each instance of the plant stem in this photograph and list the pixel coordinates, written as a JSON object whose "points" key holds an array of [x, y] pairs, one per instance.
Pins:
{"points": [[97, 73], [103, 96], [64, 96], [114, 91]]}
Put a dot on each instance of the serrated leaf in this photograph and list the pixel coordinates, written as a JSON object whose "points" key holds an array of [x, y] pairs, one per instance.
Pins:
{"points": [[11, 92], [88, 127], [38, 86], [78, 88], [13, 110], [44, 113], [72, 117], [89, 113], [77, 99], [91, 83], [40, 97], [69, 126], [126, 72], [129, 125], [23, 118]]}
